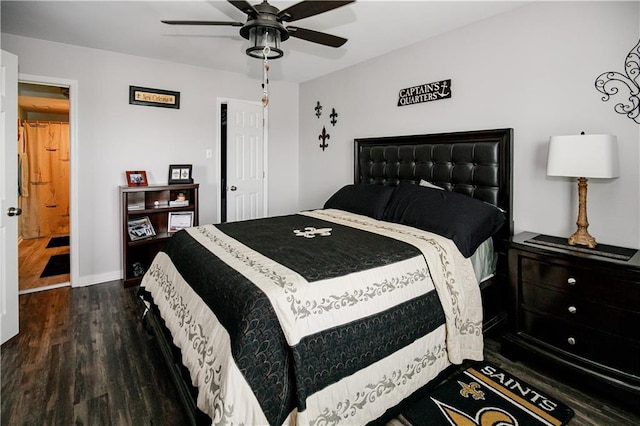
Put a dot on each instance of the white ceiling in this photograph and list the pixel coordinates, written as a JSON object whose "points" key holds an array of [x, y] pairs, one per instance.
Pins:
{"points": [[373, 27]]}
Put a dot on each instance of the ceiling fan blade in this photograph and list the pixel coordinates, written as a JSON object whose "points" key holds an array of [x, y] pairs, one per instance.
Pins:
{"points": [[308, 8], [233, 24], [316, 37], [244, 6]]}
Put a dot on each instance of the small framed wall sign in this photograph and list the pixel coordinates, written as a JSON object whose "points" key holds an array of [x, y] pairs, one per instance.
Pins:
{"points": [[137, 178], [180, 173], [154, 97]]}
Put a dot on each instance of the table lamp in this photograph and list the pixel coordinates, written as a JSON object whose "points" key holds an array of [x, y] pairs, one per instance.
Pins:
{"points": [[583, 156]]}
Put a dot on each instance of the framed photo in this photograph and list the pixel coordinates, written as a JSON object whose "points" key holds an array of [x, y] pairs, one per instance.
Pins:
{"points": [[137, 178], [154, 97], [180, 173], [180, 220], [140, 228]]}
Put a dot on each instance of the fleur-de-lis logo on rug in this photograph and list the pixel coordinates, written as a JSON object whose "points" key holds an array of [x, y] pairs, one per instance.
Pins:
{"points": [[471, 390], [310, 232], [487, 416]]}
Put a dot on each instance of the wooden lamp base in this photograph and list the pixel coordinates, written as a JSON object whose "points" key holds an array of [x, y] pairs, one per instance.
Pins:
{"points": [[582, 236]]}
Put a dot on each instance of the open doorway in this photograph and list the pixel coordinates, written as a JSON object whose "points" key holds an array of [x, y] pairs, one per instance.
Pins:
{"points": [[44, 186]]}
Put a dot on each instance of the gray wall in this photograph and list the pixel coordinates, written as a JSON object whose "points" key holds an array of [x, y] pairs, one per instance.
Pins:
{"points": [[532, 69], [114, 136]]}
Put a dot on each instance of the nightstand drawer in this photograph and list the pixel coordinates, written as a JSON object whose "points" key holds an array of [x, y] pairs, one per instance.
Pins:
{"points": [[588, 283], [603, 348], [591, 313]]}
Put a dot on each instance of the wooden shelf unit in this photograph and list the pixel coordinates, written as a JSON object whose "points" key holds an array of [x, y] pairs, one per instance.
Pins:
{"points": [[153, 202]]}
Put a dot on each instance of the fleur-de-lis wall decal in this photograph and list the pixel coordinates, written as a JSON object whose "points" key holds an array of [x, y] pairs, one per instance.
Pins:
{"points": [[318, 109], [608, 83], [334, 116], [324, 136]]}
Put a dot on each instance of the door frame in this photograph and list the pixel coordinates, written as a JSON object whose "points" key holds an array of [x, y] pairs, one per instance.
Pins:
{"points": [[218, 156], [74, 223]]}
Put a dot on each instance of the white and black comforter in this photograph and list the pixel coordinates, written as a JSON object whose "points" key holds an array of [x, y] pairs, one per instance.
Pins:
{"points": [[323, 317]]}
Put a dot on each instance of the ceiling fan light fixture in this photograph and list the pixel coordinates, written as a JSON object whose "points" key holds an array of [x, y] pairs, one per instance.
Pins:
{"points": [[265, 30], [261, 37]]}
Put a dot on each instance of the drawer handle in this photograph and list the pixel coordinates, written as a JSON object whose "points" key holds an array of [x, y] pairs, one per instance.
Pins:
{"points": [[571, 341], [572, 309], [571, 281]]}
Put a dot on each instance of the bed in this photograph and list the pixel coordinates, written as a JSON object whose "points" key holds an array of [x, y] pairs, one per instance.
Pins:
{"points": [[337, 315]]}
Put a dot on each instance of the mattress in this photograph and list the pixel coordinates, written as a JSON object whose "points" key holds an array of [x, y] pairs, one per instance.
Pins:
{"points": [[484, 261]]}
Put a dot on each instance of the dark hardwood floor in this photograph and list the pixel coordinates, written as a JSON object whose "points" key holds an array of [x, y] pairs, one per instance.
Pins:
{"points": [[83, 357], [592, 406]]}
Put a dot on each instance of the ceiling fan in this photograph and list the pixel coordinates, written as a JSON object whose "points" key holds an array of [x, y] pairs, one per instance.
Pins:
{"points": [[265, 30]]}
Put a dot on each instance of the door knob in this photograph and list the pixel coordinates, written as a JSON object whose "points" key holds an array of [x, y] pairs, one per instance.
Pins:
{"points": [[14, 211], [233, 188]]}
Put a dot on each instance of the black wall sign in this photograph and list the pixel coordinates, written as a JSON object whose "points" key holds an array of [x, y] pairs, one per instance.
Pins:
{"points": [[425, 93]]}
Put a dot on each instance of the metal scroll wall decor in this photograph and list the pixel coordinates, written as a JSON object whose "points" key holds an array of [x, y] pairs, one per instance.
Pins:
{"points": [[334, 119], [608, 83]]}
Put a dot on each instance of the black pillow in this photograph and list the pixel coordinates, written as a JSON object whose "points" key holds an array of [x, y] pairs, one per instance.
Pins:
{"points": [[459, 217], [364, 199]]}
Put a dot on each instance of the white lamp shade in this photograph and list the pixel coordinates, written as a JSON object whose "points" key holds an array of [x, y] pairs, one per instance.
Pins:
{"points": [[589, 156]]}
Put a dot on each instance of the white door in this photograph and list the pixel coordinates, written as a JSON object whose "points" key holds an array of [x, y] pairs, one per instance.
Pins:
{"points": [[245, 161], [9, 196]]}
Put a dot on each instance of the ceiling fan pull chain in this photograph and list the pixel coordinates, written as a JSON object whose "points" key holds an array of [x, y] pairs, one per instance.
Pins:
{"points": [[265, 77]]}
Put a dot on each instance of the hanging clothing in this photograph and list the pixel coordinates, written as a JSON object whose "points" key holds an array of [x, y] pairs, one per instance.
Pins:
{"points": [[23, 174], [23, 165]]}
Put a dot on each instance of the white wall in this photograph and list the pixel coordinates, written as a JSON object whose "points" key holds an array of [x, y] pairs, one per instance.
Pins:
{"points": [[532, 69], [114, 136]]}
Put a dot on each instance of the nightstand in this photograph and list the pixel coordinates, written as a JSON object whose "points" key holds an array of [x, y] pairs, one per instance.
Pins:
{"points": [[577, 310]]}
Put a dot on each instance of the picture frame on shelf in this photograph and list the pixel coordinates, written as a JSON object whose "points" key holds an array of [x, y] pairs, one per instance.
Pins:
{"points": [[140, 228], [179, 220], [137, 178], [180, 173]]}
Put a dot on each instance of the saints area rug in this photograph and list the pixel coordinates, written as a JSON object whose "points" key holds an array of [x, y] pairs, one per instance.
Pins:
{"points": [[483, 394]]}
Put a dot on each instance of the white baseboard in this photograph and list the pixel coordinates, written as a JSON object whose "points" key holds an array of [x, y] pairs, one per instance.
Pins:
{"points": [[98, 279], [47, 287]]}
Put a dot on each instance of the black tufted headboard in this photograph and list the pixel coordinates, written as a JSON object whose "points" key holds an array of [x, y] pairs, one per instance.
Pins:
{"points": [[476, 163]]}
